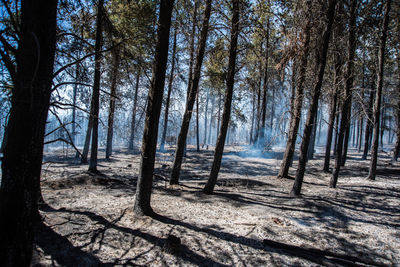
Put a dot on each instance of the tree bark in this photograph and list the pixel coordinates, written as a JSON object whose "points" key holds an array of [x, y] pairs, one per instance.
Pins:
{"points": [[205, 118], [96, 87], [219, 148], [85, 151], [368, 124], [345, 109], [396, 149], [191, 97], [23, 151], [261, 134], [332, 114], [298, 101], [134, 110], [113, 93], [378, 96], [314, 102], [170, 82], [154, 102]]}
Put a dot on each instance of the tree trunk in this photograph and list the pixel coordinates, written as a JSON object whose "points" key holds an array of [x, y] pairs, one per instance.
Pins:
{"points": [[170, 82], [368, 125], [23, 151], [314, 102], [311, 146], [219, 148], [252, 117], [211, 119], [261, 134], [134, 110], [205, 118], [191, 97], [349, 78], [113, 94], [77, 79], [197, 123], [332, 115], [154, 102], [347, 134], [86, 145], [96, 87], [378, 96], [298, 101], [396, 149]]}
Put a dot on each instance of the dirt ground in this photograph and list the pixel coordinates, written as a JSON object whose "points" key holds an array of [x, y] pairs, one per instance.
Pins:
{"points": [[249, 221]]}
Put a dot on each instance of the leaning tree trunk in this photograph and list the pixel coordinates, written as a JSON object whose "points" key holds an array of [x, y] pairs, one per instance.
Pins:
{"points": [[113, 95], [134, 109], [219, 148], [314, 101], [298, 102], [345, 109], [180, 146], [23, 151], [170, 82], [96, 87], [377, 105], [154, 102]]}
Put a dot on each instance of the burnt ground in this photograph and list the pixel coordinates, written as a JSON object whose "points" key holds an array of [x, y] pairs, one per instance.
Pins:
{"points": [[249, 221]]}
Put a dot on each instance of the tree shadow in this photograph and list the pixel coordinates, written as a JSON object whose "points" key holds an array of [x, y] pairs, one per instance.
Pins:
{"points": [[66, 254]]}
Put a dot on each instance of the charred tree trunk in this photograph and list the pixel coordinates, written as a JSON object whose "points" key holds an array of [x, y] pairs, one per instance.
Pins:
{"points": [[96, 87], [85, 151], [368, 125], [134, 110], [332, 114], [211, 119], [298, 101], [197, 123], [396, 149], [205, 118], [113, 95], [23, 151], [261, 134], [191, 97], [314, 101], [219, 148], [349, 78], [347, 134], [170, 82], [149, 144], [377, 105]]}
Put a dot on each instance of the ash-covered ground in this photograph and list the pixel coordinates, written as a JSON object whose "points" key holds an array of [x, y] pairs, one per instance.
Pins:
{"points": [[249, 221]]}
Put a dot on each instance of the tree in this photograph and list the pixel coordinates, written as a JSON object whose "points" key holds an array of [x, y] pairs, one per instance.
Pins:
{"points": [[21, 165], [154, 101], [194, 84], [134, 109], [96, 87], [298, 100], [170, 81], [345, 110], [314, 100], [230, 80], [378, 95], [396, 149], [113, 96]]}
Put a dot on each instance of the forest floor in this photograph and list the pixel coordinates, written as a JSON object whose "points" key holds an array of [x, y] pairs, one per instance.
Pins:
{"points": [[249, 221]]}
